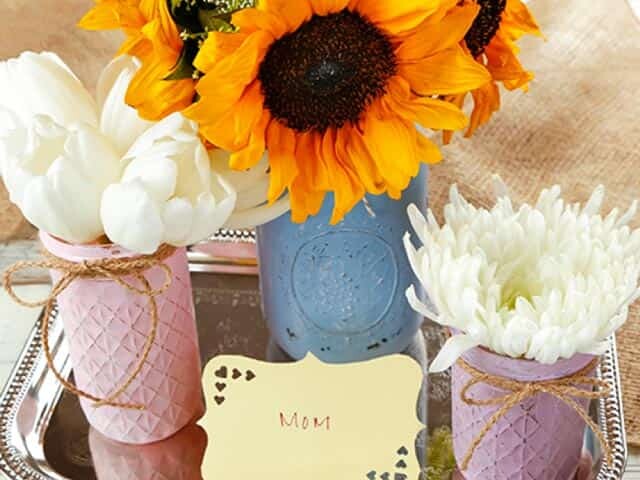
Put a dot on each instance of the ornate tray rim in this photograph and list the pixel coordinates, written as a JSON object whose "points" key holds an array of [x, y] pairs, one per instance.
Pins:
{"points": [[21, 451]]}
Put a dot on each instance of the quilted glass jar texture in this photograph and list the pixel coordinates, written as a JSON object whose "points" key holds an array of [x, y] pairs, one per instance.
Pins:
{"points": [[338, 291], [542, 437], [107, 327]]}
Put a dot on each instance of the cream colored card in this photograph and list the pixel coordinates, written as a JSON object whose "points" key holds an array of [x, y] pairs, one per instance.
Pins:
{"points": [[311, 420]]}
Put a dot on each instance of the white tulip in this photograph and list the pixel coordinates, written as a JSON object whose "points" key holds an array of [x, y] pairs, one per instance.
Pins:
{"points": [[252, 186], [58, 175], [168, 192], [118, 121], [59, 149], [539, 282], [41, 84]]}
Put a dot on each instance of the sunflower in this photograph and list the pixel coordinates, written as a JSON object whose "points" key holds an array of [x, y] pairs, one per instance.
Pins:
{"points": [[333, 89], [153, 37], [492, 42]]}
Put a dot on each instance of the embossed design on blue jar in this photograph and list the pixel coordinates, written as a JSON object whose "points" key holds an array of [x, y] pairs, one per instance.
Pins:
{"points": [[354, 284]]}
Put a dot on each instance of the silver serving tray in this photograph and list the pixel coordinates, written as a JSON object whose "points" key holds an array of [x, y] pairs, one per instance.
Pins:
{"points": [[44, 436]]}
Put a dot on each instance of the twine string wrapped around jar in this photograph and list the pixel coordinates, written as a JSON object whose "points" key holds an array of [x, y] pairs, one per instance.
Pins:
{"points": [[115, 269], [565, 389]]}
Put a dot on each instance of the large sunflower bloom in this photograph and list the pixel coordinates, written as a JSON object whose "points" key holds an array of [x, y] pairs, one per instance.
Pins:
{"points": [[153, 37], [492, 42], [332, 89]]}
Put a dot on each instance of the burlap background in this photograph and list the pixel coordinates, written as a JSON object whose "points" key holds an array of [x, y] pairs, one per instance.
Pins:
{"points": [[578, 126]]}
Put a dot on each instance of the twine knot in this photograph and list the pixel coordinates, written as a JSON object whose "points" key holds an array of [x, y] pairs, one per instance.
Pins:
{"points": [[566, 389], [115, 269]]}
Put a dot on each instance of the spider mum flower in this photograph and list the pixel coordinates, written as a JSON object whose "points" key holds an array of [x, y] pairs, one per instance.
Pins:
{"points": [[539, 282], [492, 42], [332, 89], [153, 37]]}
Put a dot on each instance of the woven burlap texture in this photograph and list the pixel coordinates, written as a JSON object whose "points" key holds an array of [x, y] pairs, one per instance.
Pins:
{"points": [[578, 127]]}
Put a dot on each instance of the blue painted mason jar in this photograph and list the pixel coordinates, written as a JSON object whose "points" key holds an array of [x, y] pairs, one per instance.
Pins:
{"points": [[339, 291]]}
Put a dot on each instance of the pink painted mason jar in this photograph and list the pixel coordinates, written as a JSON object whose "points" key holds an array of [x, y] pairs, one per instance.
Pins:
{"points": [[540, 438], [176, 458], [107, 326]]}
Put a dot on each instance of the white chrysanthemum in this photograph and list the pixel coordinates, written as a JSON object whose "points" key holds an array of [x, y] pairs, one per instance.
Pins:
{"points": [[541, 283]]}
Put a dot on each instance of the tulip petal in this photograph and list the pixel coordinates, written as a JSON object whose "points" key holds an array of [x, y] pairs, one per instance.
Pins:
{"points": [[42, 84], [132, 218], [118, 121]]}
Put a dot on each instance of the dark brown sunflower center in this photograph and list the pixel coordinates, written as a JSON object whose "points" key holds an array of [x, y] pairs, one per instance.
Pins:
{"points": [[485, 26], [327, 72]]}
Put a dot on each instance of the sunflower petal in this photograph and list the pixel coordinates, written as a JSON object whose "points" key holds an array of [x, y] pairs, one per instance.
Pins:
{"points": [[519, 21], [293, 14], [225, 83], [155, 98], [445, 73], [396, 16], [503, 63], [250, 155], [352, 149], [430, 38], [216, 47], [250, 20], [429, 112], [282, 159], [427, 151], [326, 7], [233, 130], [390, 142], [486, 102], [348, 190]]}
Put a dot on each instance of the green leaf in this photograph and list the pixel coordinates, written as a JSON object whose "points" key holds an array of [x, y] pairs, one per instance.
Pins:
{"points": [[184, 67], [213, 22]]}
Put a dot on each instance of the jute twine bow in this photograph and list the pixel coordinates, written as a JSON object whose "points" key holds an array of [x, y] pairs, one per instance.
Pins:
{"points": [[565, 389], [115, 269]]}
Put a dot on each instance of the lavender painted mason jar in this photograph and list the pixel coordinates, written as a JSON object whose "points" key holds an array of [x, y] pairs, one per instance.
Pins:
{"points": [[338, 291], [539, 438]]}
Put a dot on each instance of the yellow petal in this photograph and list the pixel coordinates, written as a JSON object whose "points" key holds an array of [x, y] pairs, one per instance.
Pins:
{"points": [[155, 98], [221, 88], [458, 101], [104, 16], [445, 73], [348, 190], [326, 7], [217, 46], [486, 102], [390, 141], [281, 142], [313, 169], [430, 38], [252, 20], [352, 149], [306, 200], [293, 14], [232, 131], [396, 16], [429, 112], [427, 151], [249, 156], [518, 20], [503, 63]]}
